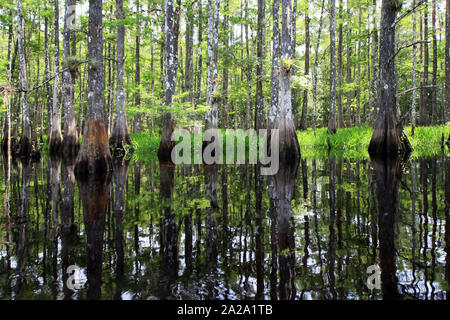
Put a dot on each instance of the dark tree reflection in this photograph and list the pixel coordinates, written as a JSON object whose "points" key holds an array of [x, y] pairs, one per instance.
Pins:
{"points": [[281, 193], [94, 193], [387, 174], [169, 232], [120, 182]]}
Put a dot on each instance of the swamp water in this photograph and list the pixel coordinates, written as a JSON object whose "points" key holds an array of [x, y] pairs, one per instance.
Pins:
{"points": [[152, 231]]}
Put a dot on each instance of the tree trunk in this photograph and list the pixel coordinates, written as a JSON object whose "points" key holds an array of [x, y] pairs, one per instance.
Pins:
{"points": [[275, 77], [137, 79], [166, 145], [434, 76], [200, 60], [413, 97], [388, 137], [447, 56], [376, 71], [189, 74], [340, 70], [55, 133], [25, 143], [226, 65], [349, 68], [358, 79], [259, 107], [94, 156], [303, 120], [423, 112], [332, 114], [289, 149], [70, 143], [211, 117], [120, 135], [316, 63], [6, 142]]}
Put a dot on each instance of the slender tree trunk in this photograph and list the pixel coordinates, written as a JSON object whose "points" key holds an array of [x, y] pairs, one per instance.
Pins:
{"points": [[166, 145], [137, 79], [303, 120], [211, 117], [388, 137], [332, 114], [6, 143], [316, 63], [248, 69], [349, 67], [70, 142], [376, 71], [358, 79], [200, 60], [120, 135], [55, 134], [447, 57], [289, 149], [94, 156], [189, 74], [226, 65], [25, 142], [423, 112], [434, 113], [340, 70], [47, 76], [275, 78], [259, 107], [413, 97]]}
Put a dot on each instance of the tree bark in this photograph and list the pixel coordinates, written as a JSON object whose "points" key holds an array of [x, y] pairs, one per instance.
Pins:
{"points": [[211, 117], [340, 70], [423, 112], [434, 76], [447, 56], [332, 113], [55, 141], [70, 143], [388, 137], [289, 149], [120, 135], [259, 99], [189, 74], [171, 48], [94, 156], [25, 141], [303, 120]]}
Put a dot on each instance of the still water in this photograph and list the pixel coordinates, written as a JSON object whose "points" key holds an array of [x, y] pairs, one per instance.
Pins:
{"points": [[151, 231]]}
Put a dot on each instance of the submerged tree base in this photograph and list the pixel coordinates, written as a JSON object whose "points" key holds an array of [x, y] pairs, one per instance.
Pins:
{"points": [[25, 148], [55, 143], [94, 157], [165, 151], [119, 138], [70, 147], [389, 142]]}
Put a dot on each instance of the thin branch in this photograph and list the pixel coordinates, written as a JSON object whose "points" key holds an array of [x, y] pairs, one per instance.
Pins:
{"points": [[407, 12], [415, 88], [49, 79], [406, 46]]}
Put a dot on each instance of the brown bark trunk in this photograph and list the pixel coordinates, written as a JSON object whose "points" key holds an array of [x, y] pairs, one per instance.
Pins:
{"points": [[55, 140], [388, 137], [25, 140], [120, 135], [70, 144], [94, 156]]}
